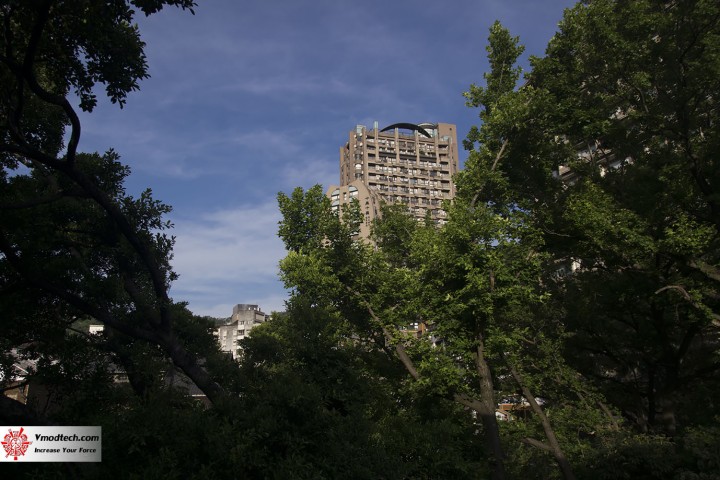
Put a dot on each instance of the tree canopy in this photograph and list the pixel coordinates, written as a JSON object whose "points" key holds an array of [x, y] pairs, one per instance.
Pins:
{"points": [[73, 243], [622, 109]]}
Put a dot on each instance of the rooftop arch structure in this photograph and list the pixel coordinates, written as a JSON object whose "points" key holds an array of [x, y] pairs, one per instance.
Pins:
{"points": [[408, 126]]}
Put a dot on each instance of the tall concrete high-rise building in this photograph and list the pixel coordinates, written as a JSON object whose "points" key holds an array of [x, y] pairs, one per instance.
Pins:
{"points": [[402, 163]]}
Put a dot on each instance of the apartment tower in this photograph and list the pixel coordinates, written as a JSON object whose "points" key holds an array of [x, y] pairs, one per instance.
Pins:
{"points": [[401, 163]]}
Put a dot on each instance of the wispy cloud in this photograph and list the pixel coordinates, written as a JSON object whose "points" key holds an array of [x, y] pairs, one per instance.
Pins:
{"points": [[286, 83], [232, 250], [308, 172]]}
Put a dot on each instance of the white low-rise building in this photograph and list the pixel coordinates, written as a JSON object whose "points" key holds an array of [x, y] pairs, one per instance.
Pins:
{"points": [[244, 318]]}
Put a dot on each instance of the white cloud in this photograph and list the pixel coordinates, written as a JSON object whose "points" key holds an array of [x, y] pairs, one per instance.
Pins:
{"points": [[310, 171], [275, 143], [268, 304], [227, 257], [286, 83]]}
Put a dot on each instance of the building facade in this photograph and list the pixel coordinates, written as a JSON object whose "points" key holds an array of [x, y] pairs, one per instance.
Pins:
{"points": [[244, 318], [369, 202], [402, 163]]}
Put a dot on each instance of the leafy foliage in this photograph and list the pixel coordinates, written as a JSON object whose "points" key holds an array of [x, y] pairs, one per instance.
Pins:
{"points": [[605, 152], [73, 243]]}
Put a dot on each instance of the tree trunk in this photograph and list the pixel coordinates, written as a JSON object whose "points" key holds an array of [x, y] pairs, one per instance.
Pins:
{"points": [[189, 365], [553, 445], [485, 407], [486, 411], [667, 420]]}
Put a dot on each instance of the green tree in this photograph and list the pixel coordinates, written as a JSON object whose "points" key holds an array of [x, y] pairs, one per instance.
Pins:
{"points": [[460, 283], [492, 264], [623, 100], [73, 243], [376, 295], [609, 151], [319, 404]]}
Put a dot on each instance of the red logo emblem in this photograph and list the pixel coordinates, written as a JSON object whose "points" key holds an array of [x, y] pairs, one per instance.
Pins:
{"points": [[15, 443]]}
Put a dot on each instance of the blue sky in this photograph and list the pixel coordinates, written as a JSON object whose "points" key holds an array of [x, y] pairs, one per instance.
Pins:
{"points": [[247, 99]]}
